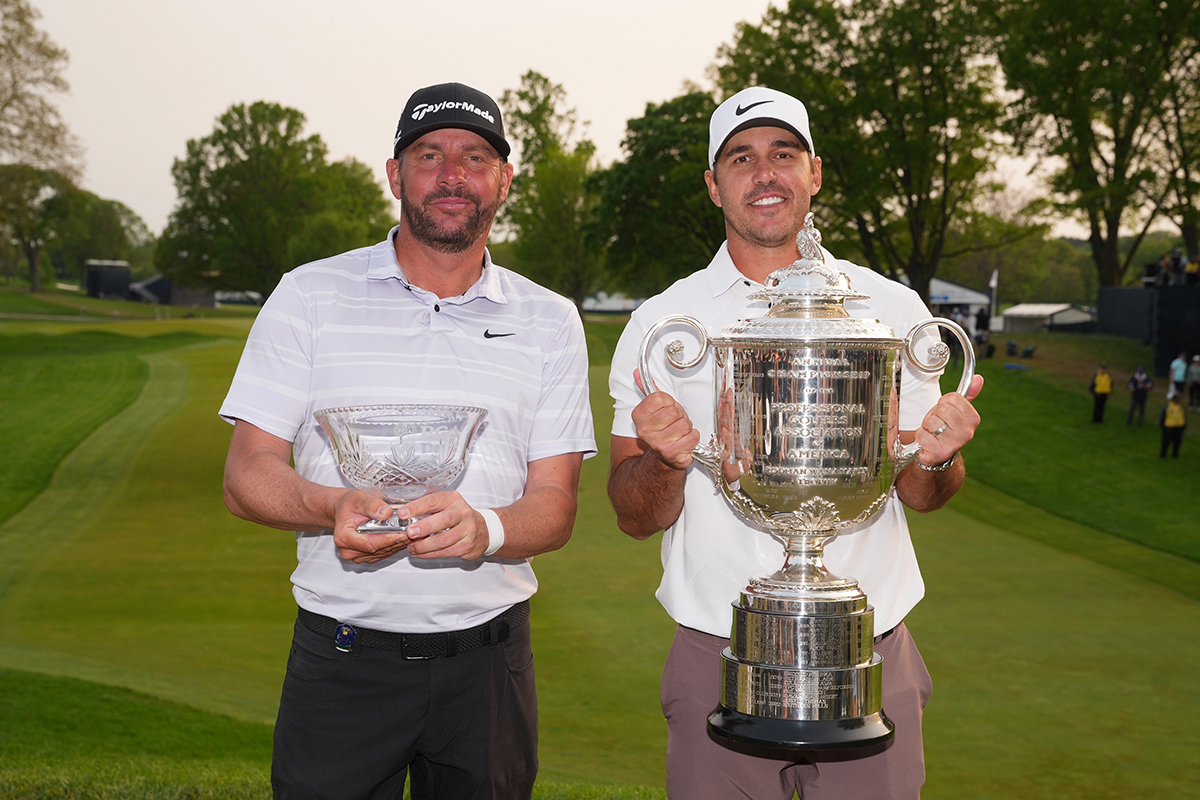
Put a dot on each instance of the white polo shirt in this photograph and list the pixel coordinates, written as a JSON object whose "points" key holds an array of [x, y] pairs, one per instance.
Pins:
{"points": [[710, 554], [351, 330]]}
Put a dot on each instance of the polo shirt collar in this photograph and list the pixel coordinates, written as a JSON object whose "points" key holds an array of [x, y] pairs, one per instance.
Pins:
{"points": [[383, 265], [723, 274]]}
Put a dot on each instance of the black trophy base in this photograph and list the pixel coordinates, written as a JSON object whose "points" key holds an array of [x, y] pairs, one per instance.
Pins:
{"points": [[790, 734]]}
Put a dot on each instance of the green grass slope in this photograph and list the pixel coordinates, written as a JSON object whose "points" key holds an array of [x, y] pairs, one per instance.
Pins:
{"points": [[1039, 444], [56, 390], [1053, 643]]}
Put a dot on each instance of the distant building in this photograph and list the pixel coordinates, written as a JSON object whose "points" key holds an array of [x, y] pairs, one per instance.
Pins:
{"points": [[248, 298], [1045, 316], [605, 303], [107, 278]]}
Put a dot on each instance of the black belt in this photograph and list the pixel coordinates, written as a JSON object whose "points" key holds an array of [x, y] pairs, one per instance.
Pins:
{"points": [[888, 633], [418, 646]]}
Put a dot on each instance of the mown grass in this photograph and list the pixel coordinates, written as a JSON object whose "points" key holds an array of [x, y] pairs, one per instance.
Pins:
{"points": [[13, 302], [52, 301], [55, 390], [153, 586], [1038, 443]]}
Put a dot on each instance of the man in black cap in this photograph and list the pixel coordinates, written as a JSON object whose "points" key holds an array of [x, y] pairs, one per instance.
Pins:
{"points": [[411, 652]]}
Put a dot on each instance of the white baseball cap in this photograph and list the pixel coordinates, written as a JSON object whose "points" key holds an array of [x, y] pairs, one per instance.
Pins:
{"points": [[757, 107]]}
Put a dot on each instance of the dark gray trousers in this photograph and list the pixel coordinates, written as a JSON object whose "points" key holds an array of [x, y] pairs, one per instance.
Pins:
{"points": [[355, 725]]}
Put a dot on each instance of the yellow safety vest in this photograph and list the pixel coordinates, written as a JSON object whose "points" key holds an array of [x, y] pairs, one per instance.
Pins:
{"points": [[1175, 416], [1103, 383]]}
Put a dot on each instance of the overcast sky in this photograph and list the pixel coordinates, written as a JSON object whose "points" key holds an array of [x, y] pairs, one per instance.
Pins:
{"points": [[147, 75]]}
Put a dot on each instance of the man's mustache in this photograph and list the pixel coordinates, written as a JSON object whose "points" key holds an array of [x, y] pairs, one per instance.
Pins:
{"points": [[460, 193], [763, 191]]}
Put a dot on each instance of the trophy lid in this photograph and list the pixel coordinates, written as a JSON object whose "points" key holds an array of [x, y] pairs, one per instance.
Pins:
{"points": [[807, 303]]}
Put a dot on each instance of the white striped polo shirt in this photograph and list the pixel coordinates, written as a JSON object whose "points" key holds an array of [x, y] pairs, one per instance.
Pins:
{"points": [[351, 330]]}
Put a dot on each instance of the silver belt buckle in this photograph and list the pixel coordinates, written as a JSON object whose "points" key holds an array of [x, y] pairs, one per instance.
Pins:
{"points": [[404, 650]]}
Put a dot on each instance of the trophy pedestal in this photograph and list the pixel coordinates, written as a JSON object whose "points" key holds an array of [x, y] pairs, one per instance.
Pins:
{"points": [[801, 672]]}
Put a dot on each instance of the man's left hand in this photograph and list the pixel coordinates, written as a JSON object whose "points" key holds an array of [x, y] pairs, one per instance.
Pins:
{"points": [[447, 527], [949, 425]]}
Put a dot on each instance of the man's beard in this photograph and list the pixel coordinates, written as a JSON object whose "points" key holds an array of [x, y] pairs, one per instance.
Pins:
{"points": [[742, 226], [448, 240]]}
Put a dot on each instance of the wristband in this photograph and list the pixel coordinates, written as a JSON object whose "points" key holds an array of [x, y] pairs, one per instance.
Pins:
{"points": [[942, 467], [495, 530]]}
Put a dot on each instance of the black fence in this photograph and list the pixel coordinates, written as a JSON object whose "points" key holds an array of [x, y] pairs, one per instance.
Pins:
{"points": [[1176, 325], [1167, 317], [1126, 312]]}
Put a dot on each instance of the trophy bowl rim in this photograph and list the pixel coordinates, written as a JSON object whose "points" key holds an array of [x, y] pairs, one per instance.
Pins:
{"points": [[325, 413]]}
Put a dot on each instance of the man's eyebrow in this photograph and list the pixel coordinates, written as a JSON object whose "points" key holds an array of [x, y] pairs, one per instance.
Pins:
{"points": [[789, 144]]}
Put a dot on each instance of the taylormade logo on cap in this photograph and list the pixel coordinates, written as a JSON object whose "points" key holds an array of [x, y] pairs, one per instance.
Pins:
{"points": [[424, 108], [450, 105]]}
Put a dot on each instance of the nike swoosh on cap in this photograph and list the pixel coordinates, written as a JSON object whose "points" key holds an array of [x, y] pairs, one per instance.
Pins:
{"points": [[743, 109], [487, 334]]}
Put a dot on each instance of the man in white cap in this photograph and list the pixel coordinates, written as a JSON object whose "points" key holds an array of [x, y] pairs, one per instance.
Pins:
{"points": [[411, 651], [763, 173]]}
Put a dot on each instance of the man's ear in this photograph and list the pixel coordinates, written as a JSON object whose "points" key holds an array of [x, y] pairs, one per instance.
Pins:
{"points": [[506, 176], [710, 178]]}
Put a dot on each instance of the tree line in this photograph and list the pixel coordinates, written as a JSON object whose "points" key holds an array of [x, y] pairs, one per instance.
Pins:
{"points": [[912, 102]]}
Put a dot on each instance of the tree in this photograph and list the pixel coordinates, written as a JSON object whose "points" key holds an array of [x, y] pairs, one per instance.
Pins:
{"points": [[31, 66], [255, 194], [35, 204], [901, 95], [1087, 88], [549, 205], [99, 229], [1176, 127], [655, 217]]}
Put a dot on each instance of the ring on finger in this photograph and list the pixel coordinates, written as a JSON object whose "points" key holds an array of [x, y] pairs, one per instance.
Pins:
{"points": [[941, 430]]}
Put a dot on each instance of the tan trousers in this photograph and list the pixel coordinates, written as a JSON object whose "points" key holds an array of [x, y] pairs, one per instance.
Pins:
{"points": [[703, 767]]}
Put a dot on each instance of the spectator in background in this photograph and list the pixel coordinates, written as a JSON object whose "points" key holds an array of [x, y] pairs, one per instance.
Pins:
{"points": [[1178, 372], [1193, 378], [1139, 389], [982, 321], [1178, 267], [1164, 271], [1192, 271], [1173, 421], [1101, 388]]}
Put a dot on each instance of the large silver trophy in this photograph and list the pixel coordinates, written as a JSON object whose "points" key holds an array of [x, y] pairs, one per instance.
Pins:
{"points": [[806, 444], [400, 452]]}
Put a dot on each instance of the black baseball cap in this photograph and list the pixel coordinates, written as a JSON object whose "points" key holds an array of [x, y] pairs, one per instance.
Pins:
{"points": [[450, 105]]}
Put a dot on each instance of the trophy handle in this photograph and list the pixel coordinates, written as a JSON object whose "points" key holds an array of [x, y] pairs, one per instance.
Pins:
{"points": [[674, 348], [940, 354], [708, 455]]}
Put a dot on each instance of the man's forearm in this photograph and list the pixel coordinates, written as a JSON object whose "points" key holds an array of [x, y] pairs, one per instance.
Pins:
{"points": [[537, 523], [263, 490], [923, 490], [261, 486], [646, 494]]}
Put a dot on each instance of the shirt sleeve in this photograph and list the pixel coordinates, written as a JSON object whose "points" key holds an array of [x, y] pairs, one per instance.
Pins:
{"points": [[563, 423], [270, 389]]}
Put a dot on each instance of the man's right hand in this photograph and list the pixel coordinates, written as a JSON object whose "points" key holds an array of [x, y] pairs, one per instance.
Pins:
{"points": [[664, 426], [352, 509]]}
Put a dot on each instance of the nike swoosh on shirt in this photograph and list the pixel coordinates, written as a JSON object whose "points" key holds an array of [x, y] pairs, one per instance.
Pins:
{"points": [[743, 109], [489, 335]]}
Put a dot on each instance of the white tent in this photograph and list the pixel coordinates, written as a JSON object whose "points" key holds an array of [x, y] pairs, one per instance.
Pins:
{"points": [[945, 298], [1039, 316]]}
